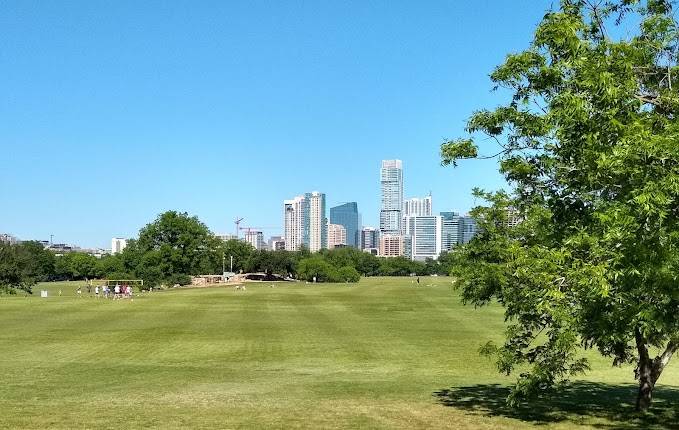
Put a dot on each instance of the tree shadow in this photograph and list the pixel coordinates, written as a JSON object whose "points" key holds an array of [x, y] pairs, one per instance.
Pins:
{"points": [[592, 403]]}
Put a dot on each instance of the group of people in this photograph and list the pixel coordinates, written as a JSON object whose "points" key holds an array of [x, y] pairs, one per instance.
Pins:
{"points": [[118, 291]]}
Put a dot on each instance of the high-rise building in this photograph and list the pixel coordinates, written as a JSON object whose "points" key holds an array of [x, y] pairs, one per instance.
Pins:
{"points": [[417, 206], [337, 236], [276, 243], [347, 215], [255, 238], [305, 222], [295, 214], [118, 244], [468, 229], [317, 221], [391, 245], [391, 207], [370, 238], [452, 226], [425, 236]]}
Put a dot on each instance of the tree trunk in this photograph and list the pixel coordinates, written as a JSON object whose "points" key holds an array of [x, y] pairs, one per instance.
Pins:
{"points": [[646, 384], [649, 369]]}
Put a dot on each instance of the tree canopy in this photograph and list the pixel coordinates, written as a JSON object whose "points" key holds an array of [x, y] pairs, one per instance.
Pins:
{"points": [[22, 265], [589, 142]]}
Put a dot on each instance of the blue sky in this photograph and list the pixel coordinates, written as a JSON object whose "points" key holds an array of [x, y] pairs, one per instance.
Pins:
{"points": [[112, 112]]}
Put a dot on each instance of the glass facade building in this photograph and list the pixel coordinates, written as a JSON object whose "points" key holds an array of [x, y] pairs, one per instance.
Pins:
{"points": [[347, 216]]}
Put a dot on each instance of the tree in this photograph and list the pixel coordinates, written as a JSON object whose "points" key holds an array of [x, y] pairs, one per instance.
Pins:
{"points": [[588, 143], [174, 244], [315, 268], [22, 265]]}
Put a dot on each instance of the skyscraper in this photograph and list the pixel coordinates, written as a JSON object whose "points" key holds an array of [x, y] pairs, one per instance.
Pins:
{"points": [[317, 221], [347, 216], [305, 222], [391, 184], [295, 214], [418, 206]]}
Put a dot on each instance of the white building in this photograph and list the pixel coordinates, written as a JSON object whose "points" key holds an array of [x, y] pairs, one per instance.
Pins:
{"points": [[295, 214], [317, 222], [391, 187], [424, 235], [337, 235], [256, 239], [118, 244], [417, 206]]}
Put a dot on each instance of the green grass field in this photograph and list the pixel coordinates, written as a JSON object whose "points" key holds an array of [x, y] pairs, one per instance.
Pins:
{"points": [[384, 353]]}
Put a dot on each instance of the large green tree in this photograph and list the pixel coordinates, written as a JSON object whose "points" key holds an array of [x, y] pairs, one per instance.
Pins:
{"points": [[173, 245], [22, 265], [589, 142]]}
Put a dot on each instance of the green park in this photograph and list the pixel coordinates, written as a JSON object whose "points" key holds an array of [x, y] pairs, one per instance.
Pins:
{"points": [[553, 304], [381, 353]]}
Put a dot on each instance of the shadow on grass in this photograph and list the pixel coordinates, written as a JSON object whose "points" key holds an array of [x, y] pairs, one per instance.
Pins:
{"points": [[591, 403]]}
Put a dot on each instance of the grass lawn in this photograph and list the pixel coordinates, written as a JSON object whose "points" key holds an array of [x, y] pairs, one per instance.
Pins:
{"points": [[383, 353]]}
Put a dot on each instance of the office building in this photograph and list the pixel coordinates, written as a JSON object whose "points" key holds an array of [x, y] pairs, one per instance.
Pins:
{"points": [[424, 234], [370, 238], [391, 245], [391, 187], [295, 213], [117, 245], [452, 227], [337, 236], [347, 215], [255, 238]]}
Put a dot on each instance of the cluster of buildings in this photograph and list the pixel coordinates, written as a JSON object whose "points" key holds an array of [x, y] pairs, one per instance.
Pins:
{"points": [[57, 248], [406, 227]]}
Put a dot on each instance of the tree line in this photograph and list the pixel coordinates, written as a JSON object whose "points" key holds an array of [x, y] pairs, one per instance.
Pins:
{"points": [[176, 246]]}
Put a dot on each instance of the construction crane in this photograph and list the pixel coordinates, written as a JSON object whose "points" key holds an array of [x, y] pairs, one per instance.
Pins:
{"points": [[237, 222]]}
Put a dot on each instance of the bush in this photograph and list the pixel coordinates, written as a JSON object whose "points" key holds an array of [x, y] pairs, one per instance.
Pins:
{"points": [[347, 274]]}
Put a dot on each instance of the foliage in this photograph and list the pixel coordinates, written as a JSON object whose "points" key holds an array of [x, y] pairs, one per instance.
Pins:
{"points": [[589, 144], [22, 265]]}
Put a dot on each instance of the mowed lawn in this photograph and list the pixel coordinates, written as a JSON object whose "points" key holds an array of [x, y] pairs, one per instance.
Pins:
{"points": [[383, 353]]}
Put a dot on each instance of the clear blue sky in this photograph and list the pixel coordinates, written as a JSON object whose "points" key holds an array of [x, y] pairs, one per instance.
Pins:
{"points": [[112, 112]]}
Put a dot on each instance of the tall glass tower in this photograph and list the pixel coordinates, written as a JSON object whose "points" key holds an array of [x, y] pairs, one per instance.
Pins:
{"points": [[391, 184], [347, 216]]}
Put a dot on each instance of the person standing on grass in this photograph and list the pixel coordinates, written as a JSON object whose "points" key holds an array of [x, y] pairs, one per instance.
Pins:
{"points": [[80, 292], [96, 291]]}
